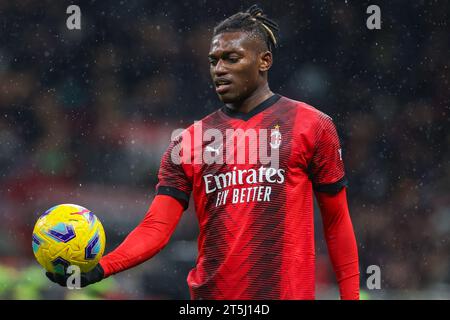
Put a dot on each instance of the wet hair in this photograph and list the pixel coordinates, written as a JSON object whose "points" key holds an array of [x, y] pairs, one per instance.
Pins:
{"points": [[253, 21]]}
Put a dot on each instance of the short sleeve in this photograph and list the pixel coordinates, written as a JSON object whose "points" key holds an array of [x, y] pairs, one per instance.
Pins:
{"points": [[326, 167], [172, 178]]}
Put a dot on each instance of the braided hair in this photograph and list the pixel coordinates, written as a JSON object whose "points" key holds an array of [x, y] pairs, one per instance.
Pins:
{"points": [[254, 21]]}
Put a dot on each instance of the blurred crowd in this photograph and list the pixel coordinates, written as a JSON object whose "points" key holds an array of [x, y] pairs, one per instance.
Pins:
{"points": [[85, 116]]}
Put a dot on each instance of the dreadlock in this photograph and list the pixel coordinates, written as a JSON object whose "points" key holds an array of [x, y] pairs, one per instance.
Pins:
{"points": [[253, 20]]}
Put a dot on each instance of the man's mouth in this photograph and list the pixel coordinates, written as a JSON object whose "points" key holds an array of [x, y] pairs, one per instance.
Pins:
{"points": [[222, 85]]}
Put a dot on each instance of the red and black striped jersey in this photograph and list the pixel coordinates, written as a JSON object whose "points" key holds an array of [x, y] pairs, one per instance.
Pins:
{"points": [[252, 177]]}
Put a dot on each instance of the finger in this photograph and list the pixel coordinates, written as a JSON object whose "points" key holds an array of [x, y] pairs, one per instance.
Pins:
{"points": [[84, 281], [61, 279], [56, 278], [50, 276]]}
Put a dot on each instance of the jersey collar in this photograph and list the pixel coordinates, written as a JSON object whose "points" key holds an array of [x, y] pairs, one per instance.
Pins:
{"points": [[259, 108]]}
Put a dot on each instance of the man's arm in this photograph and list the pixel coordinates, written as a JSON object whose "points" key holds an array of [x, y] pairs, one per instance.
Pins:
{"points": [[341, 242], [148, 238]]}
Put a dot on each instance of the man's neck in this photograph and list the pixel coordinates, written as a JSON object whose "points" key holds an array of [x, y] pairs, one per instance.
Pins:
{"points": [[251, 102]]}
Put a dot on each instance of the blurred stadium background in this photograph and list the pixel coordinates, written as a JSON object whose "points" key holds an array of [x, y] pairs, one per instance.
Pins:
{"points": [[85, 116]]}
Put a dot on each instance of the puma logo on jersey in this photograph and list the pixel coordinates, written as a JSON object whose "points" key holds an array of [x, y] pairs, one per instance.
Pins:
{"points": [[214, 150]]}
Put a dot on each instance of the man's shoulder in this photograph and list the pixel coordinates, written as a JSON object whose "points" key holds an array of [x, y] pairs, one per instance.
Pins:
{"points": [[304, 110]]}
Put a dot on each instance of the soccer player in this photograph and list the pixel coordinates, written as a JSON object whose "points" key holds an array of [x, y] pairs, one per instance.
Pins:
{"points": [[256, 220]]}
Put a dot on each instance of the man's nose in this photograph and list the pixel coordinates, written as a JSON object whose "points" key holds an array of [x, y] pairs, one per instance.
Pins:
{"points": [[219, 68]]}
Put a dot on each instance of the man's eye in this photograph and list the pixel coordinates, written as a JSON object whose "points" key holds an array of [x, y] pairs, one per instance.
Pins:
{"points": [[213, 62], [233, 59]]}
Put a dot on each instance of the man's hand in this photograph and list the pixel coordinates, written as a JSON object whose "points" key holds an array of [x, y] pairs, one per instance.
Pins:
{"points": [[93, 276]]}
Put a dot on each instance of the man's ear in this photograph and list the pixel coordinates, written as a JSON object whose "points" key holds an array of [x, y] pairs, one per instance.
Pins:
{"points": [[265, 61]]}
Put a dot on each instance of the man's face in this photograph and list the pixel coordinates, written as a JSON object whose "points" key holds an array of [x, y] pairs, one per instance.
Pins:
{"points": [[235, 65]]}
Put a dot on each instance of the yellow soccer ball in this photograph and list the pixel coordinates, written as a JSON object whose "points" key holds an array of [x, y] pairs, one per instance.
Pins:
{"points": [[68, 234]]}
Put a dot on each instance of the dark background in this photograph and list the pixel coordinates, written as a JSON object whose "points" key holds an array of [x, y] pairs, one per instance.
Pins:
{"points": [[86, 114]]}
